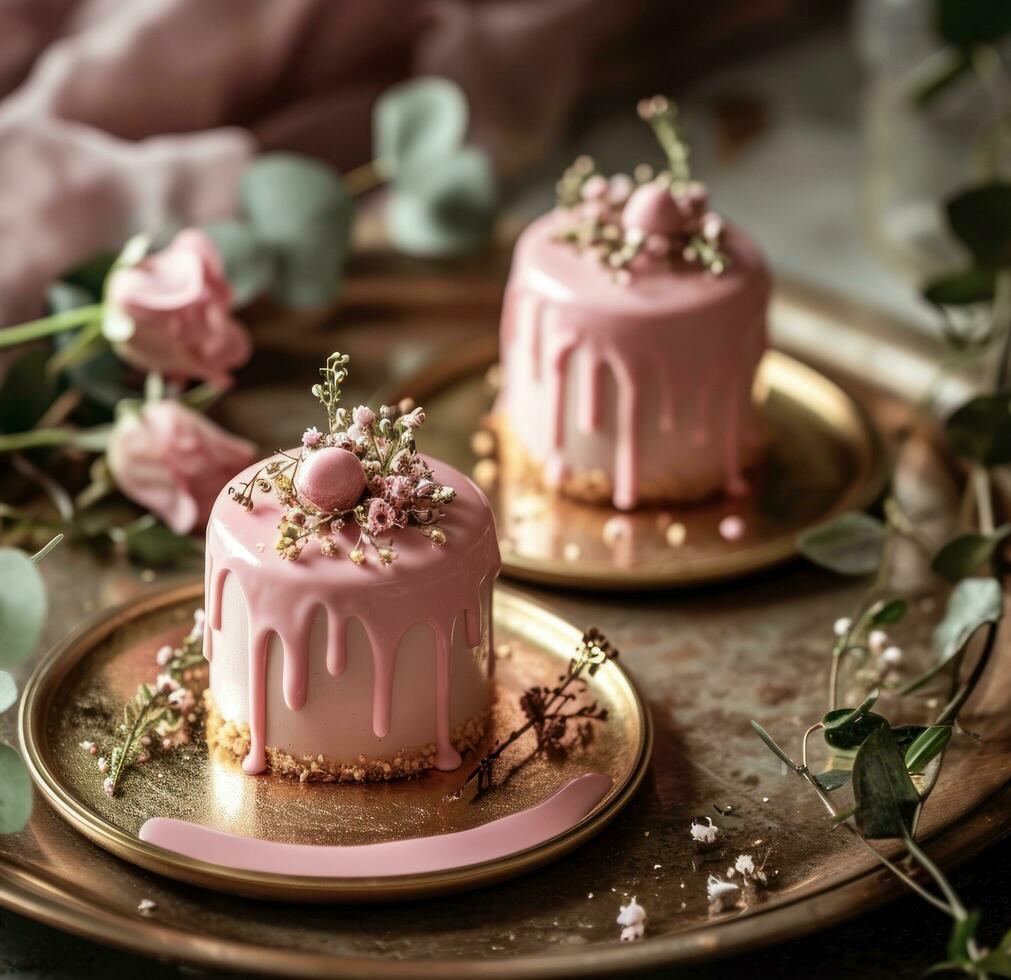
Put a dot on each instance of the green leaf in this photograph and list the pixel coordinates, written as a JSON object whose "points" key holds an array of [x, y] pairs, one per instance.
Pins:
{"points": [[963, 555], [771, 743], [444, 210], [8, 691], [22, 606], [151, 543], [965, 23], [905, 735], [972, 603], [981, 219], [833, 779], [849, 545], [886, 799], [847, 730], [962, 932], [26, 391], [15, 791], [298, 208], [928, 745], [886, 613], [418, 125], [981, 429], [998, 961], [975, 285], [249, 266], [955, 67]]}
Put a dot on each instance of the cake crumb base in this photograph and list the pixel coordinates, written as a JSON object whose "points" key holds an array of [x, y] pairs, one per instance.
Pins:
{"points": [[231, 739]]}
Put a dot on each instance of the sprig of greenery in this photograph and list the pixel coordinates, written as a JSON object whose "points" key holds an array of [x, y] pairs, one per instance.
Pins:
{"points": [[329, 391]]}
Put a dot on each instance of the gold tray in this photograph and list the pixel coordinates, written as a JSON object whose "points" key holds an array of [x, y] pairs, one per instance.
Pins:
{"points": [[824, 457], [78, 693]]}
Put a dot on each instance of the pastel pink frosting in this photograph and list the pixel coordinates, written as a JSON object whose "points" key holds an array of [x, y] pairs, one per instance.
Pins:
{"points": [[438, 586], [649, 380]]}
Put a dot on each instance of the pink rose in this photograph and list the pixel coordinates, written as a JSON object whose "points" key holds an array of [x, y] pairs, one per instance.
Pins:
{"points": [[173, 461], [363, 416], [179, 303]]}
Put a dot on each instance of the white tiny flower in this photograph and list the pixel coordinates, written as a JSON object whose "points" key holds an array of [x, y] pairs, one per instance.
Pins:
{"points": [[842, 626], [633, 918], [704, 833], [891, 656], [103, 764], [635, 236], [166, 682], [163, 656], [108, 786], [721, 892], [89, 747], [745, 864], [877, 640]]}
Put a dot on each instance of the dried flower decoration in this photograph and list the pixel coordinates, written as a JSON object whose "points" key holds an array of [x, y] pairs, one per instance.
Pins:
{"points": [[159, 717], [647, 219], [703, 835], [632, 918], [364, 472], [553, 712], [722, 895]]}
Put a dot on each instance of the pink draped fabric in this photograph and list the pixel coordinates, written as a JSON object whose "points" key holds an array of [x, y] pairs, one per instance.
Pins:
{"points": [[123, 115]]}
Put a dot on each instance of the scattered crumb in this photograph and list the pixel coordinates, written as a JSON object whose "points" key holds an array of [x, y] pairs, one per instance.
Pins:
{"points": [[571, 551], [146, 906], [765, 799], [589, 895], [676, 534]]}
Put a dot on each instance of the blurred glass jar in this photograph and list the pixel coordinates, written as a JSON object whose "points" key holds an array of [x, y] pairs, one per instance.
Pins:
{"points": [[916, 153]]}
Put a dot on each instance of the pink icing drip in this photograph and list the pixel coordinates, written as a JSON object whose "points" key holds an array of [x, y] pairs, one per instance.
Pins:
{"points": [[497, 839], [699, 336], [426, 585]]}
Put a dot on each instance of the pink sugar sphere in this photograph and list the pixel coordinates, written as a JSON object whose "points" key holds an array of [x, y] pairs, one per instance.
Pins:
{"points": [[652, 210], [331, 479]]}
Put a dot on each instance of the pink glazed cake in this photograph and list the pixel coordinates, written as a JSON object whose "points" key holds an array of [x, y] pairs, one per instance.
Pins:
{"points": [[348, 598], [632, 330]]}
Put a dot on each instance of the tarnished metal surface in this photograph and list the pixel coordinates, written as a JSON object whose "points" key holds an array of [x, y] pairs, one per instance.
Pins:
{"points": [[707, 660]]}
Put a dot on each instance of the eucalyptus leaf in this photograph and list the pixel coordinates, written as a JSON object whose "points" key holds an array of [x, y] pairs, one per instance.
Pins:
{"points": [[15, 791], [973, 603], [444, 210], [998, 961], [849, 545], [298, 208], [981, 429], [833, 779], [8, 691], [966, 23], [418, 125], [887, 613], [22, 606], [885, 797], [249, 265], [773, 746], [975, 285], [963, 555], [927, 746], [151, 543], [963, 931], [26, 391], [981, 219], [847, 730]]}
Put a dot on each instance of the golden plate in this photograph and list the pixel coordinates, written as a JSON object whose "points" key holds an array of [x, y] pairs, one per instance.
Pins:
{"points": [[825, 457], [77, 694]]}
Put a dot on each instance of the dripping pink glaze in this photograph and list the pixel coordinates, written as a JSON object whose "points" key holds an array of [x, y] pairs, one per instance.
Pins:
{"points": [[697, 338], [497, 839], [424, 585]]}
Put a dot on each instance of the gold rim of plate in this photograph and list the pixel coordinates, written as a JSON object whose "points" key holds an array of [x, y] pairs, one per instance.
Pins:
{"points": [[554, 638], [813, 422]]}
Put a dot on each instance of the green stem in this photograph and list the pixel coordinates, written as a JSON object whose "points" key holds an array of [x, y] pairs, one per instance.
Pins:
{"points": [[984, 504], [957, 908], [35, 439], [363, 178], [48, 325]]}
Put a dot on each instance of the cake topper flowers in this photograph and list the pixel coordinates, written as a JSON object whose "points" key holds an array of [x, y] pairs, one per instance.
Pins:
{"points": [[646, 219], [363, 472]]}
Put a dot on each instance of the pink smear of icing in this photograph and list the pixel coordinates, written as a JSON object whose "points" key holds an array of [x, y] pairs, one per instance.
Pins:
{"points": [[497, 839]]}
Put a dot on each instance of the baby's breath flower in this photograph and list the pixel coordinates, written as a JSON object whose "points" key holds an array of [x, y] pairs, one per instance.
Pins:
{"points": [[632, 918], [722, 895], [357, 556], [387, 555], [704, 833], [312, 437], [891, 655], [842, 626]]}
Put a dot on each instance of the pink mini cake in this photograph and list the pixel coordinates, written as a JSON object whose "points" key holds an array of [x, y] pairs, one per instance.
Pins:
{"points": [[348, 597], [633, 326]]}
